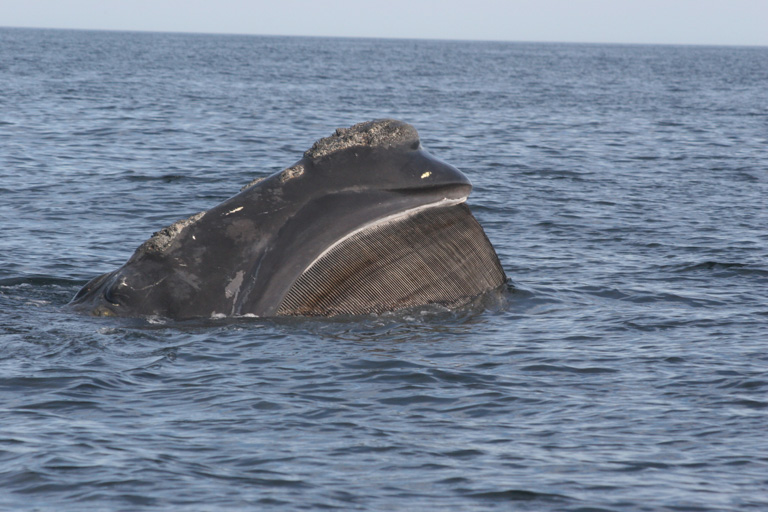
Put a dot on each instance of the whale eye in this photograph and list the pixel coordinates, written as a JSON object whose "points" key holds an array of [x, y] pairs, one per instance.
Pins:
{"points": [[109, 296]]}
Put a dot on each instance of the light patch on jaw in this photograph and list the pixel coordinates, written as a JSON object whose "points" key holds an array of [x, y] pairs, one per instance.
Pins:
{"points": [[233, 288]]}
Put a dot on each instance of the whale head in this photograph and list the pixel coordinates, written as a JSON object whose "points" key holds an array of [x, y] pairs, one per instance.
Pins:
{"points": [[366, 221]]}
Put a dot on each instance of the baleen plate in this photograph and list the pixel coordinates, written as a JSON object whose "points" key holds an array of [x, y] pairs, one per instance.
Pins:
{"points": [[439, 255]]}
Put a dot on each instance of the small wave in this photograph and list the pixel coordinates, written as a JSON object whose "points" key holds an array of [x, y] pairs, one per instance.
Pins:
{"points": [[466, 453], [720, 267], [167, 178], [378, 365], [39, 280], [514, 495], [418, 400], [557, 174], [96, 132], [550, 368], [750, 403], [644, 296], [709, 265]]}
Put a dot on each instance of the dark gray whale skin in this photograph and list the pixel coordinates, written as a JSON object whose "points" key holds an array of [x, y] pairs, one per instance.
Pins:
{"points": [[243, 256]]}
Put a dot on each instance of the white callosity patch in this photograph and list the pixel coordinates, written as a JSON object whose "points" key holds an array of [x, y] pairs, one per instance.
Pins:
{"points": [[291, 173], [252, 183], [426, 175], [383, 133], [162, 240]]}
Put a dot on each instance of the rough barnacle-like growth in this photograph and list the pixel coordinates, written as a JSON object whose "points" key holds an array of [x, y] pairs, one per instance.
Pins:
{"points": [[385, 133], [162, 240], [252, 183], [291, 172]]}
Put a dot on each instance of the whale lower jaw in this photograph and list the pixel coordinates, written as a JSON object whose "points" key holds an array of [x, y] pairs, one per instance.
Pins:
{"points": [[378, 223], [432, 254]]}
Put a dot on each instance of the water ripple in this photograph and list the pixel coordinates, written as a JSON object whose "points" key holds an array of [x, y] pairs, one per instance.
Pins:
{"points": [[623, 369]]}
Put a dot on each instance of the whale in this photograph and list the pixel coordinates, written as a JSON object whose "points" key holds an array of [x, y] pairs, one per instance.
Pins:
{"points": [[366, 222]]}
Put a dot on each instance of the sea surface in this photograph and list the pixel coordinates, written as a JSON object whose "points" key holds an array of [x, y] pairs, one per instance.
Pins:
{"points": [[625, 189]]}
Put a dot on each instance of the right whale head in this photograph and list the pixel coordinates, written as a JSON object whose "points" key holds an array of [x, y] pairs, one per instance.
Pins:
{"points": [[366, 221]]}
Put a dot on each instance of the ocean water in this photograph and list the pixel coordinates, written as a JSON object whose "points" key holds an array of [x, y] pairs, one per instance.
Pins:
{"points": [[624, 188]]}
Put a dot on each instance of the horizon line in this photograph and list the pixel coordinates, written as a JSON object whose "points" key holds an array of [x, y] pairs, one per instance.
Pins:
{"points": [[392, 38]]}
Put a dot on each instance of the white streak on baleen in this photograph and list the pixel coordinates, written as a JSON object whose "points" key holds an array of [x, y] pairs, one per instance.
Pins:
{"points": [[392, 218]]}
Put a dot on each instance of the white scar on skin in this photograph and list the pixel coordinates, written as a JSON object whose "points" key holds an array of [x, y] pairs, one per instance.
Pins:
{"points": [[426, 174], [234, 211], [151, 285]]}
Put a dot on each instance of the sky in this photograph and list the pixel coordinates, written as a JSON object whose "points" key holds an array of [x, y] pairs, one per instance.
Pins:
{"points": [[708, 22]]}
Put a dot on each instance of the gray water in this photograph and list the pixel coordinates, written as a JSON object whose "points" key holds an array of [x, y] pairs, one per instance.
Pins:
{"points": [[624, 188]]}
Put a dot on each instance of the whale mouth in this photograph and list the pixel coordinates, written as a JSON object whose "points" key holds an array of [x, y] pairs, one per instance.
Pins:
{"points": [[432, 254], [380, 223]]}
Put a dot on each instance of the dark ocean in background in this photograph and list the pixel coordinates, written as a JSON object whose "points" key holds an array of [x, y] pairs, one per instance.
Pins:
{"points": [[624, 187]]}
